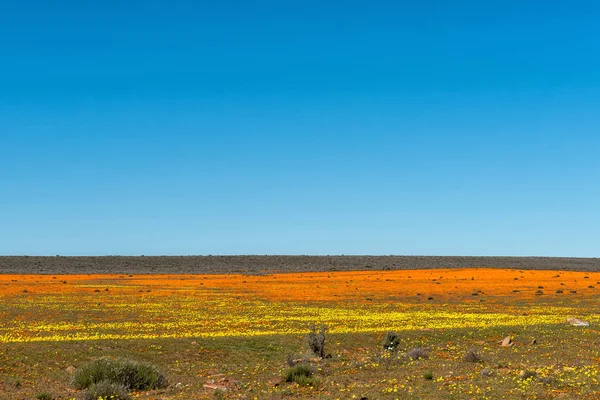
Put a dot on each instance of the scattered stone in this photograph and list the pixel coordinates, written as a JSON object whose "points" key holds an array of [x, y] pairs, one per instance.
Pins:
{"points": [[214, 387], [577, 322], [533, 341], [506, 342], [71, 369]]}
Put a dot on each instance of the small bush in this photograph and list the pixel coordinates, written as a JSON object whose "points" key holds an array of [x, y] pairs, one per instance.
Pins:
{"points": [[44, 396], [304, 381], [528, 374], [131, 374], [391, 341], [301, 374], [472, 356], [418, 353], [106, 390], [546, 380], [428, 376], [290, 361], [316, 341]]}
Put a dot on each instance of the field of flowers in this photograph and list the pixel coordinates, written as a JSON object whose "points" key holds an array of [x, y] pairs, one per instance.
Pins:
{"points": [[234, 332]]}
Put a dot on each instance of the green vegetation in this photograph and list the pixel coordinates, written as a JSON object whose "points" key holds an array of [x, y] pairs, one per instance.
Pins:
{"points": [[300, 374], [130, 374], [391, 341], [106, 390]]}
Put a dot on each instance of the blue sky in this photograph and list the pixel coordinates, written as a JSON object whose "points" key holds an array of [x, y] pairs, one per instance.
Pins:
{"points": [[300, 127]]}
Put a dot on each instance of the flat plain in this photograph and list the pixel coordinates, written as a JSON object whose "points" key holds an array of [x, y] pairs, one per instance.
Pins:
{"points": [[232, 335]]}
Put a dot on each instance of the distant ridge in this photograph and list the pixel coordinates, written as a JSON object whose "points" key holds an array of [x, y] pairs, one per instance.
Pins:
{"points": [[258, 264]]}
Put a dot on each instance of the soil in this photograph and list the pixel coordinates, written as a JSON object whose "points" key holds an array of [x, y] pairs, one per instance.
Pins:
{"points": [[261, 264]]}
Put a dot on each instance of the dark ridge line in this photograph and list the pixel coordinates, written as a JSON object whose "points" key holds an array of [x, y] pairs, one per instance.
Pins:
{"points": [[281, 263]]}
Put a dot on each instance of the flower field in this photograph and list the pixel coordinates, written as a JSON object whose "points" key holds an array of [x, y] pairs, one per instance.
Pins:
{"points": [[234, 332]]}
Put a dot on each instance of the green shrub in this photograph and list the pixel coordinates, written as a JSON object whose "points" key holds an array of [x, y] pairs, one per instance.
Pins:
{"points": [[316, 341], [132, 375], [105, 390], [301, 374], [428, 376], [304, 381], [44, 396], [391, 341]]}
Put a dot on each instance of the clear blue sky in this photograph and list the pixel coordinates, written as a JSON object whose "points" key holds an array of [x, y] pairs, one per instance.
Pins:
{"points": [[300, 127]]}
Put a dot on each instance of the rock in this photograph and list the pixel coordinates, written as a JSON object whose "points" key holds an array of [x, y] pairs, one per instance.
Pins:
{"points": [[577, 322], [214, 387], [506, 342], [533, 341], [71, 369]]}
